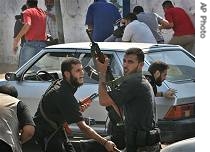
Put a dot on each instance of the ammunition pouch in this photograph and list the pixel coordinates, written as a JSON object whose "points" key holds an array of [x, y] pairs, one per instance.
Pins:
{"points": [[148, 138], [153, 136]]}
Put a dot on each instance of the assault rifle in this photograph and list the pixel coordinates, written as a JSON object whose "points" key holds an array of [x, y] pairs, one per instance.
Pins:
{"points": [[96, 52]]}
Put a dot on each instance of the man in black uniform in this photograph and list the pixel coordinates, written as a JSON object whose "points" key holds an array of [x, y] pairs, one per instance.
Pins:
{"points": [[16, 124], [58, 105], [136, 96], [157, 74]]}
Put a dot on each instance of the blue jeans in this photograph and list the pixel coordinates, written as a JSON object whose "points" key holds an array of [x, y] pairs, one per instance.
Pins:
{"points": [[29, 49]]}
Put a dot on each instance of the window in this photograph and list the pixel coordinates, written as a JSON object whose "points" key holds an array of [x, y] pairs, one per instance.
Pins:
{"points": [[181, 66], [51, 63]]}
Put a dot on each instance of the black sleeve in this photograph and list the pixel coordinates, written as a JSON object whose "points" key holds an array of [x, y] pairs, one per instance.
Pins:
{"points": [[124, 93], [69, 108], [24, 115]]}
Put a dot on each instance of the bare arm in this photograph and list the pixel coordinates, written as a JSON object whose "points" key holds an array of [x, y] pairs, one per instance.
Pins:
{"points": [[104, 98], [22, 32], [27, 133], [109, 145], [164, 24]]}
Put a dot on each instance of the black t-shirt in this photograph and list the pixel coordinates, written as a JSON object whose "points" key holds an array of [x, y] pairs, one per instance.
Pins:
{"points": [[60, 105], [136, 96], [24, 116]]}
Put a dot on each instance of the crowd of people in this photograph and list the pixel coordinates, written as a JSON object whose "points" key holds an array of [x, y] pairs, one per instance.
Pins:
{"points": [[137, 110], [144, 27]]}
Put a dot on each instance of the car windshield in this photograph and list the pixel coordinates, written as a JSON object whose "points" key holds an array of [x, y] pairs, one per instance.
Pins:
{"points": [[181, 66], [51, 63]]}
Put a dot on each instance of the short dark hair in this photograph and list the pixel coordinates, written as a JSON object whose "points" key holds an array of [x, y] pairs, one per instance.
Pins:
{"points": [[130, 16], [24, 7], [9, 89], [138, 9], [32, 3], [158, 65], [136, 51], [167, 3], [66, 65]]}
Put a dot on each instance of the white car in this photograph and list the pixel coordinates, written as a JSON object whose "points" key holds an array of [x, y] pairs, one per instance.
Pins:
{"points": [[176, 117], [187, 145]]}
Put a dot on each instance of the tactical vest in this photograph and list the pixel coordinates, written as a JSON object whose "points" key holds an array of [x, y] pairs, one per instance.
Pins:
{"points": [[9, 124]]}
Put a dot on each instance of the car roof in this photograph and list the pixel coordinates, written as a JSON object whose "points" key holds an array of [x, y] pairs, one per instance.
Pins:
{"points": [[111, 45]]}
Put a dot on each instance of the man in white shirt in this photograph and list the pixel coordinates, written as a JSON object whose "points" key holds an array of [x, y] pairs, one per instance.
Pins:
{"points": [[136, 31]]}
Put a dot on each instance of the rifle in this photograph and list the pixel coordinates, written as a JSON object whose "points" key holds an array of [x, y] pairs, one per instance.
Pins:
{"points": [[96, 52]]}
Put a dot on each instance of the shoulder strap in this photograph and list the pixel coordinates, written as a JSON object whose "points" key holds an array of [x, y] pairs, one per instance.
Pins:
{"points": [[51, 123]]}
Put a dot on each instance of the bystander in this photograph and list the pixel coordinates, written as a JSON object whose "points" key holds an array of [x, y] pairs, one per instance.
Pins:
{"points": [[101, 17], [180, 22], [34, 30]]}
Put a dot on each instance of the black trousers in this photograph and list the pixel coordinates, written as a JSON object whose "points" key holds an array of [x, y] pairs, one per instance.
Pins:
{"points": [[117, 135], [55, 143], [4, 147]]}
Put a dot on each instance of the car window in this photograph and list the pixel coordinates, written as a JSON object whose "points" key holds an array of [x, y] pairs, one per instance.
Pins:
{"points": [[181, 66], [51, 63]]}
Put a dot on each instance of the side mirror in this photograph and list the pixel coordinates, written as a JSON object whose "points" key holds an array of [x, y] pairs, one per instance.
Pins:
{"points": [[10, 76]]}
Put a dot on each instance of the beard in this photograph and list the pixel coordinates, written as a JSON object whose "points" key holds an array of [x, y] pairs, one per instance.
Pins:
{"points": [[126, 72], [158, 81], [74, 81]]}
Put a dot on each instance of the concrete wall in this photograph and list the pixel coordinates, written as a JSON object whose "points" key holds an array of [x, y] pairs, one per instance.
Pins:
{"points": [[74, 12]]}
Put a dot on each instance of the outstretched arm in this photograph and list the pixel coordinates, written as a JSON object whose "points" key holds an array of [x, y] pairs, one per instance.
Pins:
{"points": [[109, 145]]}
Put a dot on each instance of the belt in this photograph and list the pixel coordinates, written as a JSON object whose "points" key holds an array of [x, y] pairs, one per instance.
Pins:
{"points": [[35, 40], [160, 41]]}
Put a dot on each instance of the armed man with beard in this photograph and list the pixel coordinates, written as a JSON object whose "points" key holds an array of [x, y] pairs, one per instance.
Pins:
{"points": [[58, 106], [135, 95], [157, 74]]}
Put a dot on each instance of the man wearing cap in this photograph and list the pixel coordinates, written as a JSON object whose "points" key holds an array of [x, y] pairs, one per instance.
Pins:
{"points": [[34, 29]]}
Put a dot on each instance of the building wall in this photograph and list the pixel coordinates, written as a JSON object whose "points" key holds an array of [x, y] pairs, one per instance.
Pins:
{"points": [[74, 12]]}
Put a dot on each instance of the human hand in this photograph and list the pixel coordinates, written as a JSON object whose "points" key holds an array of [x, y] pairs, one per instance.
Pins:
{"points": [[102, 67], [110, 146], [84, 106], [15, 45], [170, 93]]}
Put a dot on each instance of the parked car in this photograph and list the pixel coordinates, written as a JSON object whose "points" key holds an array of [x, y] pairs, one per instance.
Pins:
{"points": [[187, 145], [176, 117]]}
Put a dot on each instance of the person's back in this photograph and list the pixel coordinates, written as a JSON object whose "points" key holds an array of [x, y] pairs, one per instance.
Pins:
{"points": [[102, 16], [34, 30], [16, 122], [151, 20], [36, 18], [182, 23], [9, 121], [138, 32]]}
